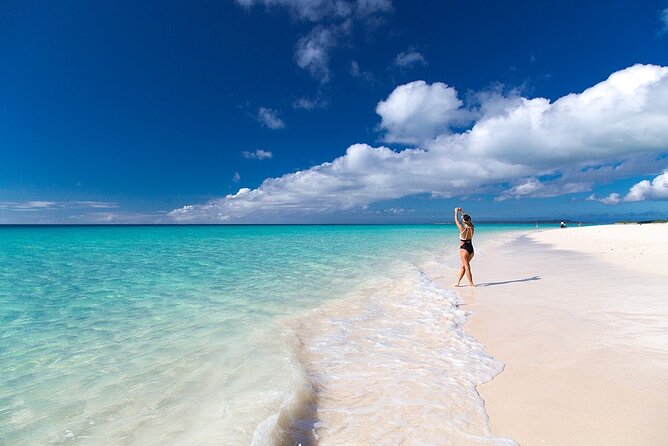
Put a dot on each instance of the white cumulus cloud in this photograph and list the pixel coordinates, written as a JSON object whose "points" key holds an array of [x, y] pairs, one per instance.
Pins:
{"points": [[657, 189], [417, 111], [515, 147]]}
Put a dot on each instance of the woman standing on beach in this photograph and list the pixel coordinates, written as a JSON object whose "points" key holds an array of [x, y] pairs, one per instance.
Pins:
{"points": [[466, 248]]}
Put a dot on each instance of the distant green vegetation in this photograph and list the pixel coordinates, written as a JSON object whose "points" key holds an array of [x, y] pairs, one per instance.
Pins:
{"points": [[630, 222]]}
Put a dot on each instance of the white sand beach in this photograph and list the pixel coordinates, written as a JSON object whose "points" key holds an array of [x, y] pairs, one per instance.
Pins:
{"points": [[579, 316]]}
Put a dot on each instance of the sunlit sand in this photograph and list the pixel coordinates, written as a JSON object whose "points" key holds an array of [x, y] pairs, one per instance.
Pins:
{"points": [[579, 317]]}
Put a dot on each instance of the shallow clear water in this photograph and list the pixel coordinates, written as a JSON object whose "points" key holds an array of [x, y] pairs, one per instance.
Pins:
{"points": [[205, 334]]}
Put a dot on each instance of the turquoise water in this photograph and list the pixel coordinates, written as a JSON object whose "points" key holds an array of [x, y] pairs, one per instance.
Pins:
{"points": [[152, 335]]}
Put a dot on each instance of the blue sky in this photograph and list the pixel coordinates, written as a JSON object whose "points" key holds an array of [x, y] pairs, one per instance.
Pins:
{"points": [[274, 111]]}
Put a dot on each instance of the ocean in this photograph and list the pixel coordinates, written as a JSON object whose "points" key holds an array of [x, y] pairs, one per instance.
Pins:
{"points": [[238, 335]]}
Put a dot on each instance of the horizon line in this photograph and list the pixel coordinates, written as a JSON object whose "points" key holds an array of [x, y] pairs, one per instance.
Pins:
{"points": [[480, 222]]}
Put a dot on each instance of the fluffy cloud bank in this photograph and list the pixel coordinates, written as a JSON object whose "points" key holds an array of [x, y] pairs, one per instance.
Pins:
{"points": [[657, 189], [513, 147]]}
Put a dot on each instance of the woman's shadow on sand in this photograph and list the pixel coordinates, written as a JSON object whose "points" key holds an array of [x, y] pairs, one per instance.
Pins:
{"points": [[508, 281]]}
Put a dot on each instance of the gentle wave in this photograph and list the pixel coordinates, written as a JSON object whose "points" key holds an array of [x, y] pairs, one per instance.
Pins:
{"points": [[390, 365]]}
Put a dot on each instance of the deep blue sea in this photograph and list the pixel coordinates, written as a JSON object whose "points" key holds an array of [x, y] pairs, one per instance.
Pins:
{"points": [[229, 334]]}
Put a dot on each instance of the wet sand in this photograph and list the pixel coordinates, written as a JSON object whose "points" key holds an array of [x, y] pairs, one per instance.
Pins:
{"points": [[579, 316]]}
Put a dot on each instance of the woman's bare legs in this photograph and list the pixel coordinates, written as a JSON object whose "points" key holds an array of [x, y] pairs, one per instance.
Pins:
{"points": [[466, 267], [462, 271]]}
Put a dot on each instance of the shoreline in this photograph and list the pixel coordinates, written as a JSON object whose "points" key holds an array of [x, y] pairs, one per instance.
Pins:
{"points": [[398, 335], [578, 319]]}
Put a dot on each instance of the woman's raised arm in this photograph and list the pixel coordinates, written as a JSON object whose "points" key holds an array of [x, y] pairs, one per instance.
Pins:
{"points": [[459, 225]]}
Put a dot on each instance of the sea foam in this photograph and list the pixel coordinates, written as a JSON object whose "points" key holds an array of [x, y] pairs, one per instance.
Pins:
{"points": [[389, 364]]}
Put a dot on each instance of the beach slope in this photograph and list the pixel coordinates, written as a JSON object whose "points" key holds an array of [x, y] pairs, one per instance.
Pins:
{"points": [[580, 319]]}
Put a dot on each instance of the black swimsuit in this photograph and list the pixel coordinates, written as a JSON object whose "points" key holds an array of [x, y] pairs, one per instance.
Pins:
{"points": [[466, 243], [467, 246]]}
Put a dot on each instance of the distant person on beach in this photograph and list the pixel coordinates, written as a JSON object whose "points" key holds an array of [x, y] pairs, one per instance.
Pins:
{"points": [[466, 248], [562, 225]]}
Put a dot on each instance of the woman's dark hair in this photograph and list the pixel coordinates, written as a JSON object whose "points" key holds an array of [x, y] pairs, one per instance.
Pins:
{"points": [[467, 219]]}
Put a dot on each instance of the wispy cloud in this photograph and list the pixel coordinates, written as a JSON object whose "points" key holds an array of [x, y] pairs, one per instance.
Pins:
{"points": [[96, 204], [410, 58], [236, 177], [613, 198], [305, 103], [663, 17], [365, 8], [269, 118], [42, 205], [309, 10], [357, 72], [99, 217], [533, 187], [312, 53], [259, 154], [539, 147], [332, 21], [317, 10]]}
